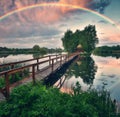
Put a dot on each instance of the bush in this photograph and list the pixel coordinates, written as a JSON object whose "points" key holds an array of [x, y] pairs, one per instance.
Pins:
{"points": [[38, 101]]}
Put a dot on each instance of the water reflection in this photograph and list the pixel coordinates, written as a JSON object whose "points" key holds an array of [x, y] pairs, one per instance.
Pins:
{"points": [[109, 54], [82, 70], [96, 71], [14, 58], [93, 70], [60, 75], [37, 55], [3, 55], [83, 67], [108, 73]]}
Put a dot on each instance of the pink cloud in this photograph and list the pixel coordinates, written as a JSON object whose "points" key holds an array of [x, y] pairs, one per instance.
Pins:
{"points": [[44, 14]]}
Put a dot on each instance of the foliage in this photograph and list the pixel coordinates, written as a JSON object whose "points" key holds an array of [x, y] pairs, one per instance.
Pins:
{"points": [[38, 101], [69, 43], [14, 77], [113, 51], [36, 48], [4, 51], [87, 38]]}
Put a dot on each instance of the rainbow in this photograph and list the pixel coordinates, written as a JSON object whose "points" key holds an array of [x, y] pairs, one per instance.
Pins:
{"points": [[59, 5]]}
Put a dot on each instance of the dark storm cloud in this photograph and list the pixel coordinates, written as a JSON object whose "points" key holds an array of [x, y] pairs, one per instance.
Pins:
{"points": [[99, 5]]}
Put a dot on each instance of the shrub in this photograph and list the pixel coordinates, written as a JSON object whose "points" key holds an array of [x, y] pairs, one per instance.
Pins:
{"points": [[38, 101]]}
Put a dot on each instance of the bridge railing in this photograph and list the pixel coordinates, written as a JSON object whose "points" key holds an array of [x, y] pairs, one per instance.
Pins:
{"points": [[34, 67], [12, 64]]}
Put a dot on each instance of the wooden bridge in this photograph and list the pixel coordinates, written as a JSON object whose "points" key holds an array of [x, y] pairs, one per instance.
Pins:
{"points": [[40, 69]]}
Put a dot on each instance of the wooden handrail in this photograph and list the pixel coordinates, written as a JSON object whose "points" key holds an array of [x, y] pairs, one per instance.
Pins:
{"points": [[13, 63], [15, 70], [11, 71]]}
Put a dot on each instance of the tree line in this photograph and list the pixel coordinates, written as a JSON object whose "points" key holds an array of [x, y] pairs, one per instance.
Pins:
{"points": [[34, 49], [113, 51]]}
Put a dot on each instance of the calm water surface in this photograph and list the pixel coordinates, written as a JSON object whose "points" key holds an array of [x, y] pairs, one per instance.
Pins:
{"points": [[95, 70]]}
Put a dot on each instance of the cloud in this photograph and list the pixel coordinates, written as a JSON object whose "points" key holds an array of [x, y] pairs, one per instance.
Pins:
{"points": [[100, 5], [112, 39], [48, 14], [118, 23], [102, 33], [19, 34], [29, 42], [27, 30], [103, 22], [38, 24], [10, 5]]}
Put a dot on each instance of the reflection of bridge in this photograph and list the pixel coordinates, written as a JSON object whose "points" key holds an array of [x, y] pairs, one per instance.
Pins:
{"points": [[39, 70]]}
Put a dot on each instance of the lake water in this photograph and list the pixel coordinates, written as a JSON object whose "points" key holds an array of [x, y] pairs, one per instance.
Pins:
{"points": [[95, 70]]}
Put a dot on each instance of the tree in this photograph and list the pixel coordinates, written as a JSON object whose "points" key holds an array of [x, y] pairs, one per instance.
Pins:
{"points": [[67, 40], [87, 38], [36, 48]]}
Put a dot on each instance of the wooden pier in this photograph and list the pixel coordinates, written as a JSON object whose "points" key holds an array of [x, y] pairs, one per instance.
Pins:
{"points": [[39, 70]]}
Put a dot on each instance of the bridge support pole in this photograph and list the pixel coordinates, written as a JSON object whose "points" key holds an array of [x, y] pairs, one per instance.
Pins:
{"points": [[52, 65], [33, 74], [12, 67], [66, 58], [60, 60], [37, 65], [56, 57], [49, 60]]}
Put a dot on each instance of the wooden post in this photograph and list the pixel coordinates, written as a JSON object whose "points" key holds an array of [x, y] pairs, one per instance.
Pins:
{"points": [[33, 73], [52, 65], [7, 85], [37, 65], [60, 60], [12, 67], [64, 59], [56, 58], [67, 57], [49, 60]]}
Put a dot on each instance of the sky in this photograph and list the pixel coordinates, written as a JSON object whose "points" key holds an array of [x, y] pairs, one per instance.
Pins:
{"points": [[24, 23]]}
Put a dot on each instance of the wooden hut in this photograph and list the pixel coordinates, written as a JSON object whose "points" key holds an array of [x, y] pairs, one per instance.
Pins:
{"points": [[79, 48]]}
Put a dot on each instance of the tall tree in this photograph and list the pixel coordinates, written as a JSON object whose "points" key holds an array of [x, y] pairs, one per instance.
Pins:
{"points": [[36, 48], [89, 38], [67, 39]]}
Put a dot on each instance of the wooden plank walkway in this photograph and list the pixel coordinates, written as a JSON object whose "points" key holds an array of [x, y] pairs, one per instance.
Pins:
{"points": [[36, 73]]}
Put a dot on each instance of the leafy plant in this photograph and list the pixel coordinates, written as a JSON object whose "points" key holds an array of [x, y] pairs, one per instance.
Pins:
{"points": [[14, 77], [38, 101]]}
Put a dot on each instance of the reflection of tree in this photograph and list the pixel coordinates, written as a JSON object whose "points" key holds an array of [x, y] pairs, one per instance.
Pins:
{"points": [[85, 68], [4, 55], [37, 55]]}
